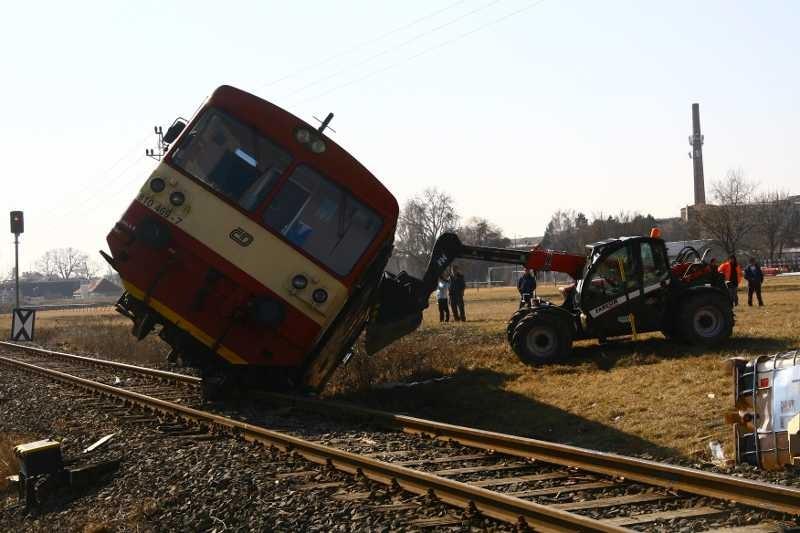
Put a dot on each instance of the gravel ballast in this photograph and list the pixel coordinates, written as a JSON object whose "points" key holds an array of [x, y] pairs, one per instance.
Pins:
{"points": [[181, 483]]}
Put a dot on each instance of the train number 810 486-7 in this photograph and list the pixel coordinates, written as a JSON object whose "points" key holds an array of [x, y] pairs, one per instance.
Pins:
{"points": [[166, 211]]}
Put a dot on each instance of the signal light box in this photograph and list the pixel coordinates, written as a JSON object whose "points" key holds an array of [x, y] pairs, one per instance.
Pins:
{"points": [[17, 222]]}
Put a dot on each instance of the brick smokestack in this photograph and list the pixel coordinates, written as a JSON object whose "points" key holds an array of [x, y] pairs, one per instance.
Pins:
{"points": [[696, 140]]}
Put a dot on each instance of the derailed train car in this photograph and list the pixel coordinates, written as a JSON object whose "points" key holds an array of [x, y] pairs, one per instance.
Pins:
{"points": [[255, 246]]}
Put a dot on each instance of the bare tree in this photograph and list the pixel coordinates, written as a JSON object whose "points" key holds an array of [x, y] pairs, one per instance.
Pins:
{"points": [[733, 217], [63, 263], [571, 231], [480, 232], [562, 232], [776, 214], [423, 219]]}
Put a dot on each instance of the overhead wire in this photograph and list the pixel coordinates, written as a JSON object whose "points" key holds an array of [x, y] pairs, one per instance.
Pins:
{"points": [[52, 224], [371, 74], [93, 180], [362, 44], [57, 213], [396, 47], [95, 199], [422, 53]]}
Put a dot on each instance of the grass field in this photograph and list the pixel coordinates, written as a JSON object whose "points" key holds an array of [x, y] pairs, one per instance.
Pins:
{"points": [[651, 396]]}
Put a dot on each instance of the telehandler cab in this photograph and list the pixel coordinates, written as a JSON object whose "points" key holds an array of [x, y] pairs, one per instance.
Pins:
{"points": [[622, 286]]}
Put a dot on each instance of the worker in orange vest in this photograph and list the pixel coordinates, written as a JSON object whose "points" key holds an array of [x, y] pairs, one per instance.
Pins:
{"points": [[732, 273]]}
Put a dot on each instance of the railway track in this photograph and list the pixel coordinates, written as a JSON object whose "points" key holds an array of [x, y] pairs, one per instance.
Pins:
{"points": [[549, 487]]}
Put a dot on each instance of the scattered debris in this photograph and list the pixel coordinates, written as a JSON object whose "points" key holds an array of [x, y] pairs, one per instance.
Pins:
{"points": [[43, 458], [397, 384], [717, 453], [99, 443], [36, 459]]}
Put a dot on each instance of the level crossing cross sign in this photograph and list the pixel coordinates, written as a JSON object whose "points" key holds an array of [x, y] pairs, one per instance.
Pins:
{"points": [[22, 324]]}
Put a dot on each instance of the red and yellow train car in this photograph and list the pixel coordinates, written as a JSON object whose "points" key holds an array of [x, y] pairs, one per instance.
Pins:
{"points": [[256, 245]]}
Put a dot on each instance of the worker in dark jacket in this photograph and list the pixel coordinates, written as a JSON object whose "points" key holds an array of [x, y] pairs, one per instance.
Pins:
{"points": [[457, 287], [754, 278], [526, 285]]}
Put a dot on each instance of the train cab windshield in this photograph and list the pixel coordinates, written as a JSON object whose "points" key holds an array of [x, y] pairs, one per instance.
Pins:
{"points": [[231, 158], [309, 210], [323, 219]]}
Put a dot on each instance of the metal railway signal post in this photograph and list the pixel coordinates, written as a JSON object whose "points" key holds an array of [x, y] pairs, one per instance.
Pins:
{"points": [[22, 320], [17, 227]]}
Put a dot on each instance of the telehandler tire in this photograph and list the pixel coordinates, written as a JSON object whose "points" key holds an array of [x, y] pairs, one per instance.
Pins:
{"points": [[513, 321], [541, 338], [706, 319]]}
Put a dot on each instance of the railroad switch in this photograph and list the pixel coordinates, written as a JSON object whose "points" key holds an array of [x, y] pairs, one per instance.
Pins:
{"points": [[42, 459], [36, 459]]}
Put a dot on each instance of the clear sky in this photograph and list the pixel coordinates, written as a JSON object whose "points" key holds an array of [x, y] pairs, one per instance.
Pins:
{"points": [[515, 107]]}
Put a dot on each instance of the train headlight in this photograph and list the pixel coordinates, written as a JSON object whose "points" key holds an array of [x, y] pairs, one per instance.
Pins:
{"points": [[318, 146], [320, 296], [177, 198], [157, 185], [302, 136], [299, 282]]}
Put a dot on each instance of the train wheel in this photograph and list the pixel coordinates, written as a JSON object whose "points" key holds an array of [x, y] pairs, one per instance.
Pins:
{"points": [[706, 319], [513, 321], [541, 338]]}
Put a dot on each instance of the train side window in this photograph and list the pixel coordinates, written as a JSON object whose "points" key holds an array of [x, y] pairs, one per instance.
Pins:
{"points": [[321, 218], [232, 158]]}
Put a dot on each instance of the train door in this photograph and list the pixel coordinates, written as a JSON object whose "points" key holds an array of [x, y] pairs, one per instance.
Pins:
{"points": [[609, 290], [650, 307]]}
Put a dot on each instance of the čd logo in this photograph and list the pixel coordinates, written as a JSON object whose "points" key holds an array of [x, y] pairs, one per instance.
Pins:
{"points": [[241, 237]]}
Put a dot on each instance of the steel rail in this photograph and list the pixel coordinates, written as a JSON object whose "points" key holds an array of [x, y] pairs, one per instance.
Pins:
{"points": [[163, 374], [493, 504], [756, 493]]}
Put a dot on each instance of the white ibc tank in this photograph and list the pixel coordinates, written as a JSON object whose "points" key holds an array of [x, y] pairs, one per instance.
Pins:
{"points": [[767, 395]]}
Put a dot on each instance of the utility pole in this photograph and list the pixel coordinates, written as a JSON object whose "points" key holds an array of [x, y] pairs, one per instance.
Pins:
{"points": [[17, 227], [696, 140]]}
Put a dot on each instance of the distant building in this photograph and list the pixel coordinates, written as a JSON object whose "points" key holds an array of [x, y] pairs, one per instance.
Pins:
{"points": [[526, 243], [99, 288]]}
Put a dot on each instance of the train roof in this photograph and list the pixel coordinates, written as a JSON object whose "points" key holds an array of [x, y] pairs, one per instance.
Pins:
{"points": [[281, 125]]}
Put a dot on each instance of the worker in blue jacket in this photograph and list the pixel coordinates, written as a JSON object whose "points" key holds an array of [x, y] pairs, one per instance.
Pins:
{"points": [[754, 278], [526, 285]]}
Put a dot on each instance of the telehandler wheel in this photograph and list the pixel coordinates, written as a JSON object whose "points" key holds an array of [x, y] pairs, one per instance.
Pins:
{"points": [[541, 338], [513, 321], [706, 319]]}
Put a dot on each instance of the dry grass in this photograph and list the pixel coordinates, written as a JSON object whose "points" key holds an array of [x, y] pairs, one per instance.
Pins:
{"points": [[650, 396], [8, 461], [95, 331]]}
